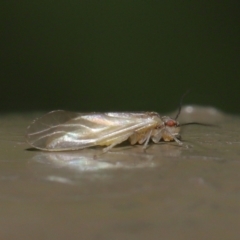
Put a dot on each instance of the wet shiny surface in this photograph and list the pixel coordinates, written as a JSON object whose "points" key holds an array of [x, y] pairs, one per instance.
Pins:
{"points": [[168, 192]]}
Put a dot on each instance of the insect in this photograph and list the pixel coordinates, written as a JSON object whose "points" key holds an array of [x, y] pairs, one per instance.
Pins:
{"points": [[62, 130]]}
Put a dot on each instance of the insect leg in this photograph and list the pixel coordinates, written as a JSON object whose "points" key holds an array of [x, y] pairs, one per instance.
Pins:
{"points": [[176, 140], [116, 142], [159, 134], [156, 137], [139, 137], [147, 140]]}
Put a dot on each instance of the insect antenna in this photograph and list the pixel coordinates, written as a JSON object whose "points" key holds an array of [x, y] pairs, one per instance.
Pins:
{"points": [[190, 123], [197, 123], [180, 104]]}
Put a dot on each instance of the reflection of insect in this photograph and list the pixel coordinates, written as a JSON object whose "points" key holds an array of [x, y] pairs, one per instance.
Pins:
{"points": [[61, 130]]}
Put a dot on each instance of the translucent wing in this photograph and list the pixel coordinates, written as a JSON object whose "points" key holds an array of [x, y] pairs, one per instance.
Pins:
{"points": [[61, 130]]}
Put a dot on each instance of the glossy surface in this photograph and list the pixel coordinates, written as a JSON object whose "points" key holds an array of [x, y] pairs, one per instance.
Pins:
{"points": [[168, 192]]}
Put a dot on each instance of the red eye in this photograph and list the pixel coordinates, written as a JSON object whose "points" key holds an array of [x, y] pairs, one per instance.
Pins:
{"points": [[171, 123]]}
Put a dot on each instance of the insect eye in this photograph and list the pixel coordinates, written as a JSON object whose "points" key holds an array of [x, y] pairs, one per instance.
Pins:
{"points": [[171, 123]]}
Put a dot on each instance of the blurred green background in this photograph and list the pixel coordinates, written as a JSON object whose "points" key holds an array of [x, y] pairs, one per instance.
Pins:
{"points": [[119, 55]]}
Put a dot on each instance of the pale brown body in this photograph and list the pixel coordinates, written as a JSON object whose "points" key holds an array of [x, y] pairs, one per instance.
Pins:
{"points": [[61, 130]]}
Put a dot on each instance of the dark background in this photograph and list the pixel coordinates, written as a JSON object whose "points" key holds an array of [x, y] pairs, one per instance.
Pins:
{"points": [[119, 55]]}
